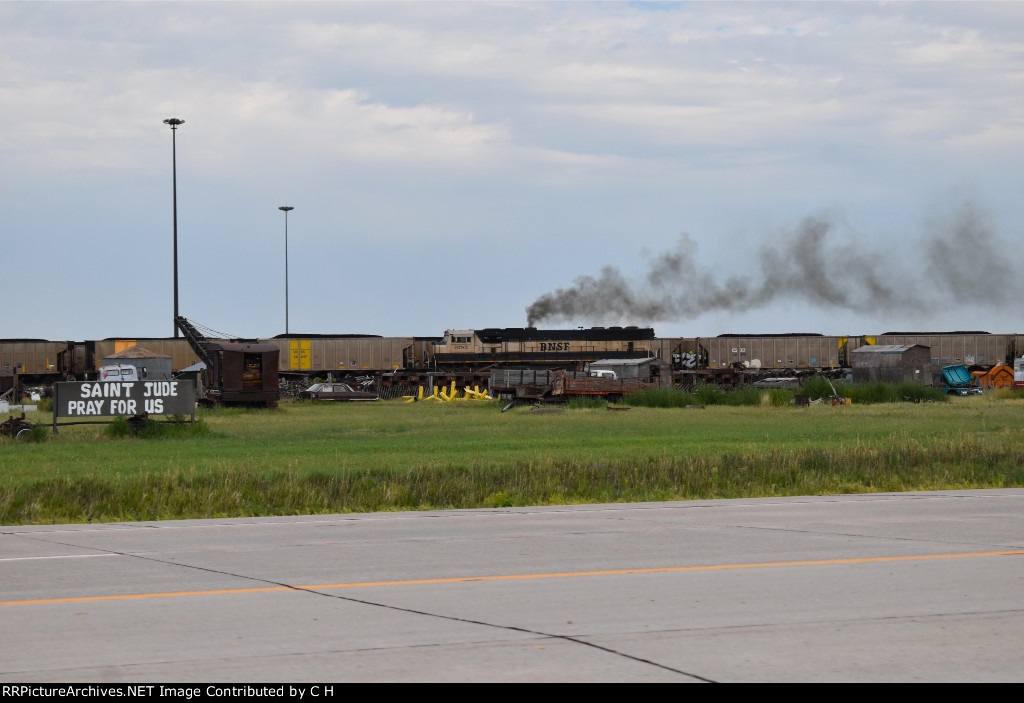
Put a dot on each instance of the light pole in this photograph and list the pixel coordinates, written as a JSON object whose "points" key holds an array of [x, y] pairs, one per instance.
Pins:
{"points": [[174, 122], [286, 208]]}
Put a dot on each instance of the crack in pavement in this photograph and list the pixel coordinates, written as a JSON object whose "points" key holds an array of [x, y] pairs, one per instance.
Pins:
{"points": [[510, 628]]}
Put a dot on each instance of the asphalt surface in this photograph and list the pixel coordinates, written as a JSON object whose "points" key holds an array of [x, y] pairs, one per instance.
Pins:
{"points": [[881, 587]]}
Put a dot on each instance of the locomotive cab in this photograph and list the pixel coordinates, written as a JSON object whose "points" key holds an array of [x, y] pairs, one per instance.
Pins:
{"points": [[458, 340]]}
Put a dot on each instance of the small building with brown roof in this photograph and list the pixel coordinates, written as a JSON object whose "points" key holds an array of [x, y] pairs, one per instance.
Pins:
{"points": [[151, 365]]}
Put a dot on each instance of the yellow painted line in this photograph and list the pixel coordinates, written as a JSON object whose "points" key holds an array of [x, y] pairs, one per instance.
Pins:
{"points": [[509, 577]]}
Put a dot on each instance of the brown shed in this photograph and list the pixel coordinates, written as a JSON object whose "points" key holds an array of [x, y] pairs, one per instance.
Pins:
{"points": [[892, 363]]}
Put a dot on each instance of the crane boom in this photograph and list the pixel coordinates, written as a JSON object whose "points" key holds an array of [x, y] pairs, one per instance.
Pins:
{"points": [[195, 339]]}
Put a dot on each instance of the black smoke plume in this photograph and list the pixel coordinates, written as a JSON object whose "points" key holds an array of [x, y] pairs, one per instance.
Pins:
{"points": [[961, 262]]}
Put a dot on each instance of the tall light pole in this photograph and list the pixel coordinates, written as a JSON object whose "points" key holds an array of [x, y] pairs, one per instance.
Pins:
{"points": [[174, 122], [286, 209]]}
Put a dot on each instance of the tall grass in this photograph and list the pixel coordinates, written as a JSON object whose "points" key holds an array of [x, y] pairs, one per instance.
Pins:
{"points": [[817, 387], [710, 395], [1010, 393], [661, 398], [903, 465], [866, 393], [303, 458], [175, 427], [586, 402]]}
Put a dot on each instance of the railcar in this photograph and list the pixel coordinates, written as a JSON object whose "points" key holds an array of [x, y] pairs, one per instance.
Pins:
{"points": [[976, 350], [813, 352], [340, 355], [32, 359], [683, 353]]}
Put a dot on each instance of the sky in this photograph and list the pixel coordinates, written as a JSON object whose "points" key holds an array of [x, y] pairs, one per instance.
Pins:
{"points": [[697, 167]]}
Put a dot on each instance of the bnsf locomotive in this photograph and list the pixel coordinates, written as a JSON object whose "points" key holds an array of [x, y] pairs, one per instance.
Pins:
{"points": [[529, 346]]}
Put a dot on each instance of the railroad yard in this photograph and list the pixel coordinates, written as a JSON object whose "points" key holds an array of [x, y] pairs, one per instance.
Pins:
{"points": [[395, 366]]}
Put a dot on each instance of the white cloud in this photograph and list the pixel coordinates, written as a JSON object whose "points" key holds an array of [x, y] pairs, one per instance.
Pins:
{"points": [[505, 130]]}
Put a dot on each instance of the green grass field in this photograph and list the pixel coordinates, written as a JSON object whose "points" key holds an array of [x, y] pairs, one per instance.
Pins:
{"points": [[306, 458]]}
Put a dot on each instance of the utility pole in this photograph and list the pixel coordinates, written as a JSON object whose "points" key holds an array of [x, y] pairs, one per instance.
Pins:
{"points": [[286, 209], [174, 122]]}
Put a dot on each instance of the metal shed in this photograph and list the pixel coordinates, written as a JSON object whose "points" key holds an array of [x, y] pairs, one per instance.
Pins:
{"points": [[892, 363], [151, 365], [647, 370]]}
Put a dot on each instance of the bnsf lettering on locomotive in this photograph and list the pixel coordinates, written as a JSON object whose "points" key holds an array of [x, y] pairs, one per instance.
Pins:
{"points": [[554, 346]]}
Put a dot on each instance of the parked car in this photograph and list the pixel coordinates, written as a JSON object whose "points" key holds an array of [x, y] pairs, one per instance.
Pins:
{"points": [[335, 391], [118, 372]]}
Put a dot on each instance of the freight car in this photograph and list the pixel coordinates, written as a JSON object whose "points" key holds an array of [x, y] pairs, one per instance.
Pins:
{"points": [[28, 362], [341, 355], [35, 360], [976, 350], [815, 352]]}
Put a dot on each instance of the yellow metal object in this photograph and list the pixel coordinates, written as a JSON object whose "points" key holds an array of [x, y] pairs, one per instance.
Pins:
{"points": [[451, 394]]}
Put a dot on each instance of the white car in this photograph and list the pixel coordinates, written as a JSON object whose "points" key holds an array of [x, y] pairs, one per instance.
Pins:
{"points": [[119, 372]]}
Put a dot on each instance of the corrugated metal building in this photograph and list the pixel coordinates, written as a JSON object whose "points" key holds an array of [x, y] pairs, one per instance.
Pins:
{"points": [[892, 363], [151, 365], [646, 370]]}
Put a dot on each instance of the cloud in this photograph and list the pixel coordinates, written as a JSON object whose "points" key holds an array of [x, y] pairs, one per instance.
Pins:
{"points": [[495, 138]]}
